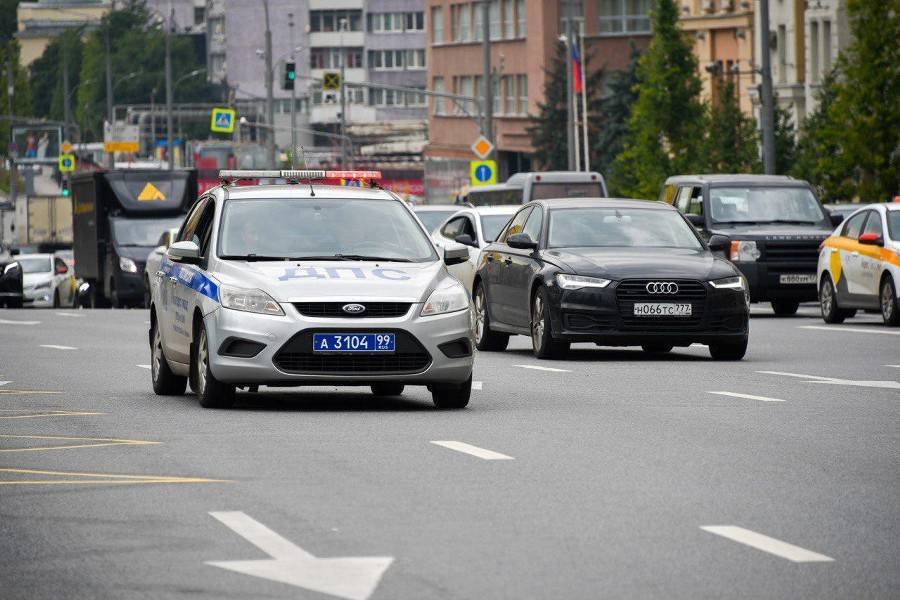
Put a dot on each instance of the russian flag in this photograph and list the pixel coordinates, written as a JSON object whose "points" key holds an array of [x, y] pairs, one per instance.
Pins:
{"points": [[577, 83]]}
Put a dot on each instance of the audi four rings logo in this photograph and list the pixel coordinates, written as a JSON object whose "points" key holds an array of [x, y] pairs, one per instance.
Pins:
{"points": [[353, 309], [662, 287]]}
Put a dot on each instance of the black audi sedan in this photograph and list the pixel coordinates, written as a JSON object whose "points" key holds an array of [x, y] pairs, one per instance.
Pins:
{"points": [[611, 272]]}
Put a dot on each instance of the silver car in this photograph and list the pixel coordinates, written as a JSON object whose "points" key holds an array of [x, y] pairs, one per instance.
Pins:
{"points": [[289, 285]]}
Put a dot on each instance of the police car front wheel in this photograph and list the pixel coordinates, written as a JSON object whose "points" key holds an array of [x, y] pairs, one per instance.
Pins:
{"points": [[165, 382], [211, 392], [451, 395]]}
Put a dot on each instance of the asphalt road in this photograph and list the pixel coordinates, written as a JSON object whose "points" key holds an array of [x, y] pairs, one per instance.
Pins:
{"points": [[616, 475]]}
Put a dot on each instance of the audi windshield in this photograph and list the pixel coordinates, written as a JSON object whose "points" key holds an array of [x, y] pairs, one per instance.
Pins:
{"points": [[326, 229], [757, 204], [619, 228]]}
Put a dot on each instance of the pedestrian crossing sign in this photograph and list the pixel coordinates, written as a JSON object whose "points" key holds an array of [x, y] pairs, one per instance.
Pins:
{"points": [[222, 120], [66, 163]]}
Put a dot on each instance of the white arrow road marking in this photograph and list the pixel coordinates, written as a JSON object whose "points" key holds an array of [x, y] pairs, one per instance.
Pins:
{"points": [[767, 544], [477, 385], [351, 578], [888, 385], [55, 347], [840, 329], [747, 396], [473, 450], [69, 314], [143, 366], [8, 322], [537, 368]]}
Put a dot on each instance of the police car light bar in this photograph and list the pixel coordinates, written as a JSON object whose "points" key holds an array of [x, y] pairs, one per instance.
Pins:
{"points": [[231, 175]]}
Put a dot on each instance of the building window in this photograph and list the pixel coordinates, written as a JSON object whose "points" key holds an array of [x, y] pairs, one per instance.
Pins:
{"points": [[495, 96], [624, 16], [438, 102], [814, 52], [782, 53], [522, 108], [494, 18], [462, 22], [330, 58], [415, 59], [465, 86], [330, 20], [509, 94], [415, 21], [509, 19], [576, 14], [826, 46], [217, 25], [396, 60], [437, 25], [478, 22], [520, 19], [396, 22], [199, 14]]}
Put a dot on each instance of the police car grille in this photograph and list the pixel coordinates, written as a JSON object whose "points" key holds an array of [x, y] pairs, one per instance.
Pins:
{"points": [[374, 310], [632, 291], [296, 356]]}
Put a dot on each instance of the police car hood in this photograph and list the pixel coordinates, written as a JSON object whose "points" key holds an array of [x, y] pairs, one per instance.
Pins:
{"points": [[323, 281]]}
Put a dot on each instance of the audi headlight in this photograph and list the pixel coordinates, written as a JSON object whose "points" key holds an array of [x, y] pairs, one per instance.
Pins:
{"points": [[126, 265], [42, 285], [10, 267], [729, 283], [576, 282], [744, 250], [254, 301], [449, 297]]}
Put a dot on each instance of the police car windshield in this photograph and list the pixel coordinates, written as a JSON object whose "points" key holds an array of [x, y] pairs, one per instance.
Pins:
{"points": [[321, 229], [754, 205], [619, 228]]}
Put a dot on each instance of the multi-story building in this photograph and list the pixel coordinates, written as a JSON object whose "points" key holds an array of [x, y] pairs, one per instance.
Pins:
{"points": [[827, 34], [41, 21], [524, 37], [723, 43]]}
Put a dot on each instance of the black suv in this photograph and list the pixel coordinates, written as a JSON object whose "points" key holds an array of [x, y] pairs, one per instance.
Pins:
{"points": [[775, 225]]}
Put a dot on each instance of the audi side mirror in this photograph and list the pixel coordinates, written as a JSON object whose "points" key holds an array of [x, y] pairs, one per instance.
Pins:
{"points": [[696, 220], [455, 256], [521, 241], [871, 239], [719, 243], [466, 240], [184, 252]]}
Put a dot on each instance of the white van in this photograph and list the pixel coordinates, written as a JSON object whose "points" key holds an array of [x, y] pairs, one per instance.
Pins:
{"points": [[525, 187]]}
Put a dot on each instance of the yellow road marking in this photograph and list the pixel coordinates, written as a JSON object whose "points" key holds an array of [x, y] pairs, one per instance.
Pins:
{"points": [[100, 442], [31, 414], [97, 478]]}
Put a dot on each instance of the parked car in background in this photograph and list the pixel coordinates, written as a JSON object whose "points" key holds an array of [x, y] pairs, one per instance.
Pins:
{"points": [[859, 266], [11, 279], [844, 210], [154, 259], [471, 228], [48, 281], [774, 224], [522, 188], [433, 215]]}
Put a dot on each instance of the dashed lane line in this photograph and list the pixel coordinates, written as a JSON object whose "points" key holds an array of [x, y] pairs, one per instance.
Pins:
{"points": [[537, 368], [477, 385], [465, 448], [887, 385], [91, 442], [767, 544], [840, 329], [27, 477], [747, 396], [69, 314], [34, 414], [9, 392], [893, 366], [9, 322], [143, 366], [58, 347], [2, 383]]}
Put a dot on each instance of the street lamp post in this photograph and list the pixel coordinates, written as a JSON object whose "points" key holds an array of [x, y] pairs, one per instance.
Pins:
{"points": [[343, 28], [169, 150], [293, 94], [270, 103], [767, 99]]}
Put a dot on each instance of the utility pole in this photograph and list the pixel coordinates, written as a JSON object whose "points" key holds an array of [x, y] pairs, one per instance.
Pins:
{"points": [[570, 117], [488, 78], [110, 113], [170, 151], [153, 122], [343, 28], [293, 94], [10, 106], [270, 103], [67, 108], [767, 98]]}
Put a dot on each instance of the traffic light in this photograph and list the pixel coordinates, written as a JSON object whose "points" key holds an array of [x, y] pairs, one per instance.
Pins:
{"points": [[65, 187], [290, 75]]}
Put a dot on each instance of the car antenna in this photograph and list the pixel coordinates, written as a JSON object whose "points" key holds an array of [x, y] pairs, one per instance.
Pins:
{"points": [[312, 192]]}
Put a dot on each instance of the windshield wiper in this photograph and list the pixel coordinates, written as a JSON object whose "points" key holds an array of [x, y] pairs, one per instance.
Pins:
{"points": [[372, 258], [256, 257], [792, 222], [769, 222]]}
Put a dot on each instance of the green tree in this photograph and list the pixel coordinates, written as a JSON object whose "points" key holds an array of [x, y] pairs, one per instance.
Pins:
{"points": [[548, 128], [666, 127], [22, 91], [732, 141], [785, 141], [46, 75], [611, 120], [8, 19]]}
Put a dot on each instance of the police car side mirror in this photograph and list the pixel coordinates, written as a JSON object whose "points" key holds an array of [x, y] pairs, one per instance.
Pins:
{"points": [[719, 243], [455, 256], [521, 241], [836, 219], [184, 252]]}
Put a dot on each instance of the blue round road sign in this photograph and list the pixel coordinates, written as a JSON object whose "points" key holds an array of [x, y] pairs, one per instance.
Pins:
{"points": [[483, 173]]}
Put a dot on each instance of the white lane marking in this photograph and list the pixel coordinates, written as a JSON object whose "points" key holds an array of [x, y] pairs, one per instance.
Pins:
{"points": [[747, 396], [537, 368], [888, 385], [69, 314], [767, 544], [56, 347], [2, 383], [354, 578], [850, 329], [8, 322], [477, 385], [143, 366], [893, 366], [473, 450]]}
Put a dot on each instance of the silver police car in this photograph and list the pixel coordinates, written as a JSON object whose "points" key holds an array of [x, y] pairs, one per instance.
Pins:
{"points": [[302, 284]]}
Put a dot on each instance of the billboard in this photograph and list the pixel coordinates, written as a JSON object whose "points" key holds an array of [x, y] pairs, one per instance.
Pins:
{"points": [[36, 143]]}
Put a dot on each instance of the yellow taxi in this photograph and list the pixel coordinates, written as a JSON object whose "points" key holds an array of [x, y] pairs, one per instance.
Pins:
{"points": [[859, 265]]}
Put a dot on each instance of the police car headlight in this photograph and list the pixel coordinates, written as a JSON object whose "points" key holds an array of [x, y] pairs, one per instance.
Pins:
{"points": [[729, 283], [254, 301], [576, 282], [449, 297], [126, 265]]}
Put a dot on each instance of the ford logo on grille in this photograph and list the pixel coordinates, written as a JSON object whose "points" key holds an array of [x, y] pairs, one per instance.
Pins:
{"points": [[662, 287], [353, 309]]}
